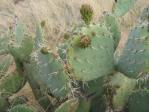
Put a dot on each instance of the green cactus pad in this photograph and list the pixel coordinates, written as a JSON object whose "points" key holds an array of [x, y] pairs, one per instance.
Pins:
{"points": [[74, 105], [63, 47], [39, 37], [22, 108], [18, 100], [94, 87], [5, 63], [138, 101], [62, 50], [144, 16], [19, 32], [143, 82], [94, 61], [70, 105], [121, 7], [112, 23], [4, 104], [98, 104], [133, 59], [48, 72], [40, 95], [84, 105], [4, 40], [20, 52], [122, 87], [11, 83]]}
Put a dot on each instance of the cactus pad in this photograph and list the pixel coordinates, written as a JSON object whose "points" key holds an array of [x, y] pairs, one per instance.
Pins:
{"points": [[133, 59], [70, 105], [144, 16], [4, 40], [94, 87], [112, 23], [22, 108], [11, 83], [138, 101], [122, 6], [48, 72], [5, 63], [4, 104], [91, 62], [122, 87], [20, 52], [74, 105], [39, 39]]}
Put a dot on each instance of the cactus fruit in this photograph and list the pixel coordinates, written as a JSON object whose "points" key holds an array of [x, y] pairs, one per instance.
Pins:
{"points": [[82, 60], [11, 83], [86, 12], [43, 23], [22, 108], [138, 101], [121, 7], [133, 59], [84, 41]]}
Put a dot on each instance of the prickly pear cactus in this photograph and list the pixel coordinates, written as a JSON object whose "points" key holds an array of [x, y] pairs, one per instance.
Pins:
{"points": [[6, 61], [133, 59], [21, 45], [97, 106], [11, 83], [86, 75], [48, 72], [20, 52], [121, 7], [74, 105], [4, 104], [4, 39], [113, 26], [138, 101], [22, 108], [122, 88], [87, 49], [144, 16], [39, 40], [93, 87]]}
